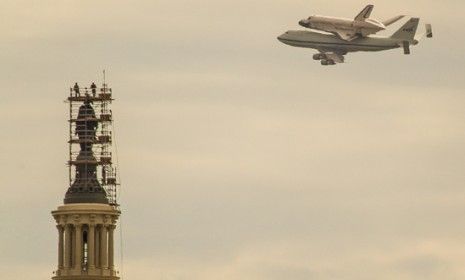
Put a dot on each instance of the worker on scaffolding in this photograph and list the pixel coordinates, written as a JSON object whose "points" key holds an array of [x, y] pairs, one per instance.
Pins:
{"points": [[76, 89], [93, 87]]}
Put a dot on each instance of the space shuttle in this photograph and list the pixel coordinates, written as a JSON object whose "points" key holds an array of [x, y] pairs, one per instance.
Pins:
{"points": [[349, 29]]}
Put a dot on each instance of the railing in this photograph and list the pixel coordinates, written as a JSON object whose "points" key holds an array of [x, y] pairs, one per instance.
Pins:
{"points": [[81, 94]]}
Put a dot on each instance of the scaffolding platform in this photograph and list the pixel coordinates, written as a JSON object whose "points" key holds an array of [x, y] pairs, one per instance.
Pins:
{"points": [[94, 162]]}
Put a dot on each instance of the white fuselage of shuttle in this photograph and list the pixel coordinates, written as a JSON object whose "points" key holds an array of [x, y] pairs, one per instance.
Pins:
{"points": [[346, 29]]}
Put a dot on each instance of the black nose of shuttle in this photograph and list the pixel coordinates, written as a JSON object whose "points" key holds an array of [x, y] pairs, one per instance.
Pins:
{"points": [[304, 23]]}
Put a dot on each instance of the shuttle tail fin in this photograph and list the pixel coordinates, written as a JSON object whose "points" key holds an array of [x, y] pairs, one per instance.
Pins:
{"points": [[365, 13], [407, 31]]}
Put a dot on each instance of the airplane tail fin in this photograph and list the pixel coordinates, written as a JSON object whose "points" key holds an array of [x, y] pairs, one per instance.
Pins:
{"points": [[407, 32], [365, 13]]}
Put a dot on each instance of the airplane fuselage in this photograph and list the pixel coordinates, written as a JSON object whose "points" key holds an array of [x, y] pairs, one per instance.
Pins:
{"points": [[348, 27], [332, 43], [341, 36]]}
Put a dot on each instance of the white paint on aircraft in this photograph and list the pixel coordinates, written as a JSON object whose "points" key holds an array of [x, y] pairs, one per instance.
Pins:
{"points": [[349, 29]]}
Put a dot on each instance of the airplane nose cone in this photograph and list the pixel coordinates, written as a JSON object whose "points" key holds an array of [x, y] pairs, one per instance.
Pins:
{"points": [[282, 37], [304, 23]]}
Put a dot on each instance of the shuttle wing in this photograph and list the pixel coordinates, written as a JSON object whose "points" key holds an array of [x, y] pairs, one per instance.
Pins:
{"points": [[346, 36], [365, 13]]}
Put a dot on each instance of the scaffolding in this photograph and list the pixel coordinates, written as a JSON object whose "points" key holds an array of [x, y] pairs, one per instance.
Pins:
{"points": [[99, 140]]}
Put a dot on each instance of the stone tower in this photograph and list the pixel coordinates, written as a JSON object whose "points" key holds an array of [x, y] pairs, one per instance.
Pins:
{"points": [[87, 220]]}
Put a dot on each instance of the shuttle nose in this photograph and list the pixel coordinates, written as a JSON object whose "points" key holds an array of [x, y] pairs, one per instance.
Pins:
{"points": [[304, 23]]}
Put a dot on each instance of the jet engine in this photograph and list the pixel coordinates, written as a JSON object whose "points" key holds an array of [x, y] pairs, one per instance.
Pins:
{"points": [[326, 62], [319, 56]]}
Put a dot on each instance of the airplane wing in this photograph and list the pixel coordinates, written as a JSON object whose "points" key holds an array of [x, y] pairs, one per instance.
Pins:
{"points": [[365, 13], [392, 20]]}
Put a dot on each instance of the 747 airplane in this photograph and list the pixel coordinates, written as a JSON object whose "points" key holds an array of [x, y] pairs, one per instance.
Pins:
{"points": [[349, 29], [332, 48]]}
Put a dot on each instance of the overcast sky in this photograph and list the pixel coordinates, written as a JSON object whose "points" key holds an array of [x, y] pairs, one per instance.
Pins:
{"points": [[240, 157]]}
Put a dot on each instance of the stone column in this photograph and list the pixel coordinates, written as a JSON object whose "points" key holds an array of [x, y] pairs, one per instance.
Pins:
{"points": [[111, 253], [103, 247], [68, 246], [91, 246], [78, 246], [97, 247], [73, 247], [60, 246]]}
